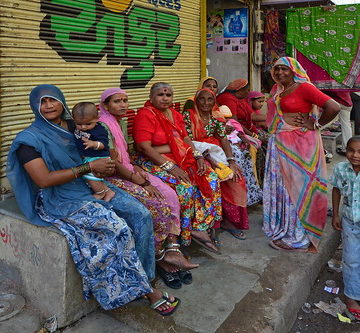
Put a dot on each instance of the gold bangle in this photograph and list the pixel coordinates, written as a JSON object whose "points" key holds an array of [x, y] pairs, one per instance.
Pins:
{"points": [[83, 169], [74, 172]]}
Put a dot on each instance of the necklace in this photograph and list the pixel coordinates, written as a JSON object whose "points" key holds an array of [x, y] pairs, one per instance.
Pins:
{"points": [[286, 89], [205, 117]]}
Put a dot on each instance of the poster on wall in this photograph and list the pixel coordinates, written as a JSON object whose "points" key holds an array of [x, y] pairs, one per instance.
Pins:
{"points": [[231, 45], [215, 22], [236, 22], [215, 26]]}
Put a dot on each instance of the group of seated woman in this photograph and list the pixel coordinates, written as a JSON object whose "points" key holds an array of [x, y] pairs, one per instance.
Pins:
{"points": [[124, 216]]}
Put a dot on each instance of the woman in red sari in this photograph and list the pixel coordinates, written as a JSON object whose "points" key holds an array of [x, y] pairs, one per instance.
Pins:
{"points": [[167, 152], [204, 125]]}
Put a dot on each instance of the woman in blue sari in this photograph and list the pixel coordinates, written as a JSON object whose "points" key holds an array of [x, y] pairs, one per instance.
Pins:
{"points": [[112, 243]]}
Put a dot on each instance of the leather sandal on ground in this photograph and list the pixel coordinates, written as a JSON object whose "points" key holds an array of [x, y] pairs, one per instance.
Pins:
{"points": [[165, 299], [185, 277], [237, 233], [172, 280], [280, 245], [204, 244]]}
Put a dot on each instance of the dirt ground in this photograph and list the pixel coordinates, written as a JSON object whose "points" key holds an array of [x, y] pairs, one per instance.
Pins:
{"points": [[323, 322]]}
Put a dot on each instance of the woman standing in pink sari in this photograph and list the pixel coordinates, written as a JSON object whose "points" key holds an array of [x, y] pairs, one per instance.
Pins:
{"points": [[294, 194], [159, 198]]}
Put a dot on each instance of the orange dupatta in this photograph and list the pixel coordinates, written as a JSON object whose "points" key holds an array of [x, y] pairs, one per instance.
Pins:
{"points": [[181, 151]]}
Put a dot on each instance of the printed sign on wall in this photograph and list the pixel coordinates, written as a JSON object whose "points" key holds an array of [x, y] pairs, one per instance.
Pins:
{"points": [[236, 22]]}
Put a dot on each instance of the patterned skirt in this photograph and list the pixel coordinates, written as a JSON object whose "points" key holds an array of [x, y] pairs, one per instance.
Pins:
{"points": [[280, 217], [104, 252], [196, 211], [243, 159], [163, 219]]}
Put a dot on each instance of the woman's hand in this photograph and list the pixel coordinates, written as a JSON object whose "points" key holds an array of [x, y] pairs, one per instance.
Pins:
{"points": [[154, 192], [245, 143], [141, 172], [103, 167], [180, 175], [201, 166], [294, 119], [236, 170], [309, 123]]}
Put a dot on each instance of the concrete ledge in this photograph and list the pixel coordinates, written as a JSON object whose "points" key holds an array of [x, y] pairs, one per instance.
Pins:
{"points": [[49, 279]]}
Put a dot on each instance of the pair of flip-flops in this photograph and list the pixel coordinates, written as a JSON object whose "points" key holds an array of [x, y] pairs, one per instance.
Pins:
{"points": [[165, 299], [176, 279]]}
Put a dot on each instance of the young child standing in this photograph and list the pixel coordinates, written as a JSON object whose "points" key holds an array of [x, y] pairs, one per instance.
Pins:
{"points": [[93, 143], [346, 184]]}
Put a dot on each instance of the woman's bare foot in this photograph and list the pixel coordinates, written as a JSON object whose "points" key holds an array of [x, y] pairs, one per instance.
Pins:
{"points": [[155, 296], [99, 196], [227, 224], [203, 237], [178, 259], [109, 194], [167, 266], [351, 303]]}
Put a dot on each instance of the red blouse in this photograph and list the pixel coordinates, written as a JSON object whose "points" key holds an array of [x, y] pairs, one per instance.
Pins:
{"points": [[148, 128], [239, 108], [302, 99]]}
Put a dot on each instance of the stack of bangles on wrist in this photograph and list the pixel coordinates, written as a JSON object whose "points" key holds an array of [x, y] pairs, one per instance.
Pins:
{"points": [[81, 170], [231, 158], [168, 166], [197, 154]]}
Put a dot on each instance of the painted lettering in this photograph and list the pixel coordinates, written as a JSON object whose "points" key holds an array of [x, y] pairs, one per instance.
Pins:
{"points": [[87, 31], [11, 240]]}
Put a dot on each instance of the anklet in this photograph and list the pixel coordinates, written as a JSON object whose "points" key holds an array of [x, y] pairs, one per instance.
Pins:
{"points": [[101, 192]]}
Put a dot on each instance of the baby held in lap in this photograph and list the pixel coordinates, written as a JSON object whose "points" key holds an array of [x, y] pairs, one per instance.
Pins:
{"points": [[93, 143]]}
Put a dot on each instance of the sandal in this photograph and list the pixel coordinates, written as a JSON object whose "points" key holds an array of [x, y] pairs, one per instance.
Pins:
{"points": [[214, 236], [203, 243], [172, 280], [239, 234], [280, 245], [355, 313], [185, 277], [165, 299]]}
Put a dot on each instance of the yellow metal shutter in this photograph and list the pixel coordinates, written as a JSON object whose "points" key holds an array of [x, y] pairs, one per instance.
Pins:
{"points": [[86, 46]]}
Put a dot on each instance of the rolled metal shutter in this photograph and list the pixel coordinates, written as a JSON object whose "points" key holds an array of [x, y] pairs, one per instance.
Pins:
{"points": [[86, 46]]}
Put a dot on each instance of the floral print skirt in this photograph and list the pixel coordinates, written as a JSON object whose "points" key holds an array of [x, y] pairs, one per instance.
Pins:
{"points": [[196, 211], [163, 219], [103, 249]]}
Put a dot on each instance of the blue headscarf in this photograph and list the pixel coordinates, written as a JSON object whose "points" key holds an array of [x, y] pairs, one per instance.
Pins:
{"points": [[58, 150]]}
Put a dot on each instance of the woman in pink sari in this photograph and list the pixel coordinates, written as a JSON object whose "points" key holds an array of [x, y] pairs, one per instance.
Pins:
{"points": [[294, 194], [158, 197]]}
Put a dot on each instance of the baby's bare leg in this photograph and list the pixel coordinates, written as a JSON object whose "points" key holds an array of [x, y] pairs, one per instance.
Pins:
{"points": [[101, 191]]}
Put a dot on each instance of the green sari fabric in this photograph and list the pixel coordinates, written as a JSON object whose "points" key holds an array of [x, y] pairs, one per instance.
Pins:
{"points": [[329, 37]]}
